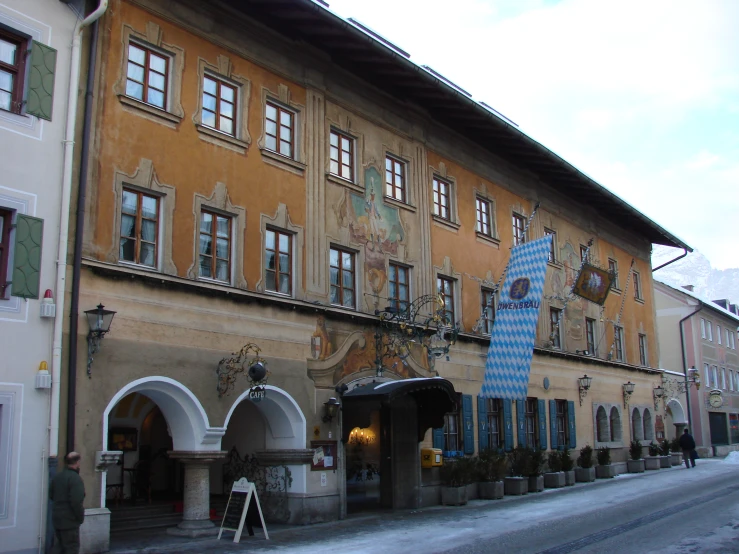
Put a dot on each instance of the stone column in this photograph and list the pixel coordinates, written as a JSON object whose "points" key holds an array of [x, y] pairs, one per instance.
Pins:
{"points": [[196, 517]]}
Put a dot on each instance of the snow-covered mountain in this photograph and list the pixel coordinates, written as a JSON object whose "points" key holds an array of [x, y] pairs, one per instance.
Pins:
{"points": [[695, 269]]}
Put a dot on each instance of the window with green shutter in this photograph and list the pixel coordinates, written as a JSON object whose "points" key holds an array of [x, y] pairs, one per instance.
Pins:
{"points": [[29, 232], [40, 98]]}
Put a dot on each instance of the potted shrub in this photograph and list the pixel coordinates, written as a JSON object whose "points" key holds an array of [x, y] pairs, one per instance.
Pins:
{"points": [[636, 463], [568, 466], [585, 472], [518, 461], [664, 451], [677, 452], [455, 478], [605, 470], [491, 468], [555, 477], [652, 461], [536, 470]]}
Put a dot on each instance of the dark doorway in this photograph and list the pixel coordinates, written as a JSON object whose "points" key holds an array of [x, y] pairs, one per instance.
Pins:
{"points": [[719, 429]]}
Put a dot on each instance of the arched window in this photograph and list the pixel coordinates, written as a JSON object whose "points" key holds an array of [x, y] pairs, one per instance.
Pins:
{"points": [[648, 428], [615, 425], [637, 431], [601, 419]]}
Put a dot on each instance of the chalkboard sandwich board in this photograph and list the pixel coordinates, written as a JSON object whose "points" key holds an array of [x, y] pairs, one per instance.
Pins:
{"points": [[243, 508]]}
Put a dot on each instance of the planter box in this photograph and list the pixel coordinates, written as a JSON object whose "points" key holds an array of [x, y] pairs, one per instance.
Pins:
{"points": [[664, 461], [605, 472], [676, 459], [584, 474], [472, 491], [454, 496], [536, 483], [651, 462], [570, 478], [491, 490], [554, 480], [635, 466], [516, 485]]}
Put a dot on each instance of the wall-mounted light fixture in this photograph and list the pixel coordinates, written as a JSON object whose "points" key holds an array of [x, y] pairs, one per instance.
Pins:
{"points": [[658, 392], [583, 383], [628, 391], [330, 409], [99, 320], [694, 376]]}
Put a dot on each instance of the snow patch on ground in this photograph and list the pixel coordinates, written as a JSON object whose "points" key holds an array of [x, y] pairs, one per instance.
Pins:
{"points": [[732, 458]]}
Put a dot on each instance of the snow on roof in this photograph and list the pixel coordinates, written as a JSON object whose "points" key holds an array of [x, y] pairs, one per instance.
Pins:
{"points": [[699, 298]]}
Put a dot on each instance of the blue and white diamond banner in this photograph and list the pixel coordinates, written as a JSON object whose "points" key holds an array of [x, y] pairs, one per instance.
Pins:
{"points": [[514, 331]]}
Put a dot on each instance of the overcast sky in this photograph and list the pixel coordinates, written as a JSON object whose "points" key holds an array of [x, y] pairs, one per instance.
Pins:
{"points": [[642, 95]]}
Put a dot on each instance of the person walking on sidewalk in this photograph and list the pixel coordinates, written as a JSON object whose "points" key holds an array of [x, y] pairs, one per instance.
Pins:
{"points": [[687, 444], [67, 494]]}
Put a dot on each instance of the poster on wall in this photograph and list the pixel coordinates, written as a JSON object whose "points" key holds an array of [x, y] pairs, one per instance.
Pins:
{"points": [[324, 455]]}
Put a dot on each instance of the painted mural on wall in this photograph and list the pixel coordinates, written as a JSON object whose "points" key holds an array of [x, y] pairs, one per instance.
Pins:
{"points": [[363, 358], [562, 283]]}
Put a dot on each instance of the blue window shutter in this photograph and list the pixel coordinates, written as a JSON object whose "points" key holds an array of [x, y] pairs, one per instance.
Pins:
{"points": [[29, 233], [438, 435], [553, 423], [571, 424], [482, 423], [521, 422], [508, 422], [40, 98], [542, 424], [469, 424]]}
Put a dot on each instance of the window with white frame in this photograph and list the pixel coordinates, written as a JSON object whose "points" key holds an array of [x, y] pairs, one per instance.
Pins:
{"points": [[395, 185], [484, 220], [643, 350], [637, 286], [714, 373], [723, 378], [709, 329], [442, 198], [703, 328], [341, 155], [731, 379], [618, 343], [707, 371], [718, 333]]}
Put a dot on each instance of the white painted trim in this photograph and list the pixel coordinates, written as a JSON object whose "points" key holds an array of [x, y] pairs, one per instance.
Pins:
{"points": [[678, 412], [16, 412], [285, 399]]}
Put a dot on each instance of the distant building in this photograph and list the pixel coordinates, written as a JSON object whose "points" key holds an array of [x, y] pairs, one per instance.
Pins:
{"points": [[697, 333]]}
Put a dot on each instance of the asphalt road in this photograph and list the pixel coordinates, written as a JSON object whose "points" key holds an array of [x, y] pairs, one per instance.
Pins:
{"points": [[667, 511]]}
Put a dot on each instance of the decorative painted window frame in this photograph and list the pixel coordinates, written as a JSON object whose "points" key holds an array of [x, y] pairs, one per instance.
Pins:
{"points": [[446, 270], [494, 238], [219, 202], [152, 38], [281, 221], [223, 71], [145, 180], [282, 97], [608, 407], [441, 173]]}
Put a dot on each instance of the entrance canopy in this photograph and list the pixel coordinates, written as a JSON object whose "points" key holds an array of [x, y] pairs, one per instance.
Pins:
{"points": [[434, 397]]}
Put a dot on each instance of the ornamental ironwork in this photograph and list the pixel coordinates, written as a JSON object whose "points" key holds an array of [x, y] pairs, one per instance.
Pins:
{"points": [[423, 322], [246, 361]]}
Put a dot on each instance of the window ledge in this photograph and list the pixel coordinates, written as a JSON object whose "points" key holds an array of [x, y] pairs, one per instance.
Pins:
{"points": [[482, 237], [614, 289], [445, 222], [283, 162], [344, 182], [215, 281], [221, 139], [639, 300], [398, 204], [159, 115], [142, 267]]}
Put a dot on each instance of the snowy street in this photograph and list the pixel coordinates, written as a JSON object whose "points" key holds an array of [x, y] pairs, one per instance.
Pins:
{"points": [[670, 510]]}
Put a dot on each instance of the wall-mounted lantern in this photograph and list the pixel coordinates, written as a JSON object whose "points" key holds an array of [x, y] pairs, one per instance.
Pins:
{"points": [[628, 391], [99, 320], [583, 383], [330, 409]]}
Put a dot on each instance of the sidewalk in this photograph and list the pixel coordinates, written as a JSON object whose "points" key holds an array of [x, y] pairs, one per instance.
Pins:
{"points": [[362, 526]]}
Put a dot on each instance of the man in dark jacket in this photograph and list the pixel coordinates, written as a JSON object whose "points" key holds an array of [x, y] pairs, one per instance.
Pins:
{"points": [[67, 494], [687, 444]]}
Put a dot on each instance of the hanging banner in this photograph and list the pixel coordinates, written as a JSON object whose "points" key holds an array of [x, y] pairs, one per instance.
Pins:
{"points": [[514, 331], [593, 283]]}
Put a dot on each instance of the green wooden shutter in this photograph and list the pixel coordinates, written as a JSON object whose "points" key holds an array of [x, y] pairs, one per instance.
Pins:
{"points": [[438, 435], [508, 422], [40, 98], [553, 423], [482, 423], [469, 424], [571, 423], [542, 424], [29, 232], [521, 422]]}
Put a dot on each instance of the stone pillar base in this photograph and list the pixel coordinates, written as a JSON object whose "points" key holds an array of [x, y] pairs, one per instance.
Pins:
{"points": [[194, 529]]}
